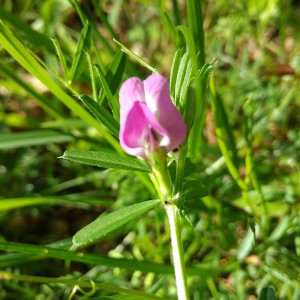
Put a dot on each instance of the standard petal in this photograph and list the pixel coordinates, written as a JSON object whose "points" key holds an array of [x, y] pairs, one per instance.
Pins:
{"points": [[134, 130], [157, 97], [131, 90], [141, 131]]}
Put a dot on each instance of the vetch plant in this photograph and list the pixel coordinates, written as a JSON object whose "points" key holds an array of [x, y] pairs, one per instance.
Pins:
{"points": [[165, 147], [154, 120], [151, 126], [149, 121]]}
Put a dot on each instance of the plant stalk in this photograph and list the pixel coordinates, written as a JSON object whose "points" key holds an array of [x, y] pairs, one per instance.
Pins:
{"points": [[179, 267], [163, 183]]}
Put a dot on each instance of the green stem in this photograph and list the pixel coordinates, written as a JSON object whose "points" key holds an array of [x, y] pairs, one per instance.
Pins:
{"points": [[157, 186], [80, 283], [180, 174], [178, 261], [163, 183]]}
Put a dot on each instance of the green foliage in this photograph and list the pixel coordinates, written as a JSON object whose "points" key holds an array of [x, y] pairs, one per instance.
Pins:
{"points": [[54, 251], [236, 177], [32, 36], [103, 226], [102, 115], [79, 59], [77, 201], [267, 294], [39, 137], [195, 20], [105, 160], [111, 98], [43, 101], [16, 49], [114, 74], [195, 190], [61, 58]]}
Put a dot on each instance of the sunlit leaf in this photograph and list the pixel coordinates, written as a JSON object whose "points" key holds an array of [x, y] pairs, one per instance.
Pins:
{"points": [[104, 160], [111, 98], [103, 226], [102, 115]]}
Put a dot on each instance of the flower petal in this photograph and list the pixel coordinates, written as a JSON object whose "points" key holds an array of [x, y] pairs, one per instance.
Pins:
{"points": [[134, 130], [131, 90], [157, 97], [141, 131], [161, 135]]}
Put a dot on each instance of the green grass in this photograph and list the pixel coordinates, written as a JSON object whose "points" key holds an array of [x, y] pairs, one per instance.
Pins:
{"points": [[62, 63]]}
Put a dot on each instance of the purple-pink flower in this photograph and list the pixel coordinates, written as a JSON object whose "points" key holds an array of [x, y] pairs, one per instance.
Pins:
{"points": [[148, 118]]}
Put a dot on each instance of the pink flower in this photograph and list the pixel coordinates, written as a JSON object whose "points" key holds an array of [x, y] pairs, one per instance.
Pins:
{"points": [[148, 118]]}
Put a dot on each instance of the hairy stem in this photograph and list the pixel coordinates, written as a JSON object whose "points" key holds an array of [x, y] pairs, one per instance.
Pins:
{"points": [[163, 183], [180, 274]]}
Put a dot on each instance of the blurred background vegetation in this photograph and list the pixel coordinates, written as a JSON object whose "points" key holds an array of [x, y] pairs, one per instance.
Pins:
{"points": [[45, 199]]}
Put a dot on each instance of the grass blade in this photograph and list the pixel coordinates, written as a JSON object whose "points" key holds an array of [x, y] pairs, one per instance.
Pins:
{"points": [[83, 202], [33, 138], [41, 100], [120, 297], [136, 57], [195, 22], [85, 19], [64, 124], [221, 133], [222, 119], [35, 38], [171, 26], [19, 52], [177, 13], [78, 283], [104, 19], [98, 259]]}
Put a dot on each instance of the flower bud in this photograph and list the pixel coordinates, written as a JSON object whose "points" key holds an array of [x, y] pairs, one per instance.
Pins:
{"points": [[149, 121]]}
